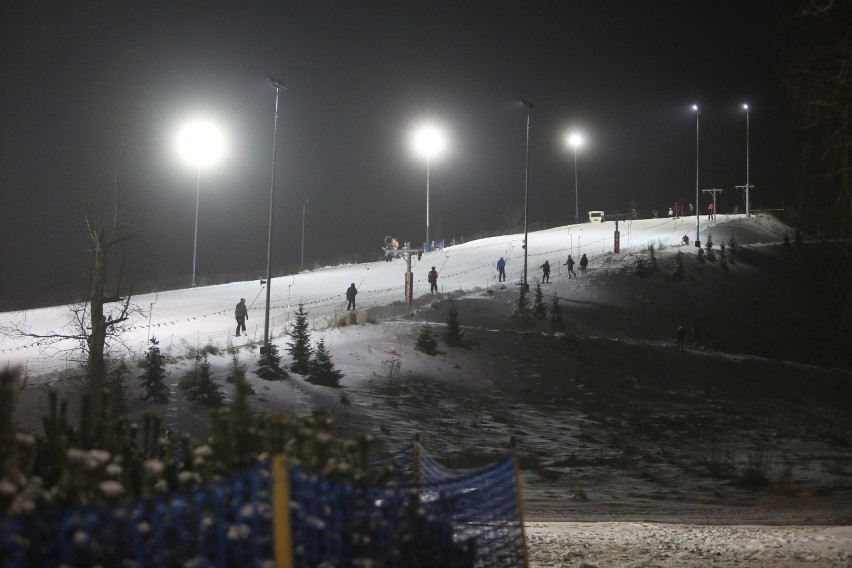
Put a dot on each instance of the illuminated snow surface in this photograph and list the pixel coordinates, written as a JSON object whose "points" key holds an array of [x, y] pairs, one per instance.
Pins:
{"points": [[615, 426]]}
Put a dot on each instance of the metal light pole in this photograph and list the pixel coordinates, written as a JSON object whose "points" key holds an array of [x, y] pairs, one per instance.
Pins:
{"points": [[278, 88], [697, 217], [747, 187], [428, 141], [200, 143], [576, 140], [302, 265], [528, 106]]}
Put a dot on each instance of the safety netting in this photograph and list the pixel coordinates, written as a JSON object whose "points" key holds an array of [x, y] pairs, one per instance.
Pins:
{"points": [[432, 516]]}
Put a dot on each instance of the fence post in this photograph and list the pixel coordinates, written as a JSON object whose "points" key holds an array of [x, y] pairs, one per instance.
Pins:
{"points": [[517, 471]]}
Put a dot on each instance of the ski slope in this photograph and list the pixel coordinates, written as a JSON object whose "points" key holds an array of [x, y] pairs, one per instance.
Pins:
{"points": [[202, 315]]}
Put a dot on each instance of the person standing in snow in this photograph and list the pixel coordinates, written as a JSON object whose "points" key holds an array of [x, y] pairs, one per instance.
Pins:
{"points": [[584, 262], [241, 313], [709, 211], [570, 264], [545, 271], [501, 270], [350, 297], [433, 280]]}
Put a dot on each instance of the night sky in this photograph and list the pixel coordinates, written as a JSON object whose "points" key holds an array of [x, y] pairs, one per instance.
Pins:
{"points": [[80, 77]]}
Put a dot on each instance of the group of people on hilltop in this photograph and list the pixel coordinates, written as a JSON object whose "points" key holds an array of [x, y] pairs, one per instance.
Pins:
{"points": [[545, 268]]}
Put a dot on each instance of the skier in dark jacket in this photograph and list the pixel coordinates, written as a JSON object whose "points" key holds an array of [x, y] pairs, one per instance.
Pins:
{"points": [[433, 280], [545, 271], [241, 313], [350, 297], [501, 270], [584, 262], [570, 264]]}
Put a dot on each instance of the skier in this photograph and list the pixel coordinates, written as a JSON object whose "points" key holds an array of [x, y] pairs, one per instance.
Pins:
{"points": [[709, 211], [570, 264], [545, 271], [350, 297], [433, 280], [241, 313], [501, 270], [584, 262]]}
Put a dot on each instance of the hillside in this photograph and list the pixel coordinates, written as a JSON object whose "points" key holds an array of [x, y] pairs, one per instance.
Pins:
{"points": [[748, 423]]}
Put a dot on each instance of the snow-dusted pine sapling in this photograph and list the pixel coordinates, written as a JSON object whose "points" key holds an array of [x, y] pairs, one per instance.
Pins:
{"points": [[269, 364], [153, 380], [454, 336], [639, 269], [678, 269], [701, 259], [555, 315], [200, 386], [652, 262], [711, 254], [426, 341], [322, 368], [299, 346], [785, 244], [520, 305], [538, 308], [236, 368]]}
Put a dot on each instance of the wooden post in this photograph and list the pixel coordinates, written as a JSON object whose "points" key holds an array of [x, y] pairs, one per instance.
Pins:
{"points": [[281, 530]]}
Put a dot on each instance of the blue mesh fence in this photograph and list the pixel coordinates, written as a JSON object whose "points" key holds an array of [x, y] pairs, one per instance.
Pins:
{"points": [[451, 518]]}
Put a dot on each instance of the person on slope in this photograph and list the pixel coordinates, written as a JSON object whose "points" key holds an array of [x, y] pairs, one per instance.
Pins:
{"points": [[241, 313], [584, 262], [545, 271], [570, 264], [350, 297], [501, 270], [433, 280]]}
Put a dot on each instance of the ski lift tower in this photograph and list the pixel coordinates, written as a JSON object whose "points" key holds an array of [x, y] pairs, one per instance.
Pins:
{"points": [[616, 243], [715, 192], [406, 252]]}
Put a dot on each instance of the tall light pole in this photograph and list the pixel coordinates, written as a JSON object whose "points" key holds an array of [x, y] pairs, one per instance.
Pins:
{"points": [[528, 106], [697, 217], [747, 187], [576, 140], [201, 143], [428, 141], [278, 88], [302, 265]]}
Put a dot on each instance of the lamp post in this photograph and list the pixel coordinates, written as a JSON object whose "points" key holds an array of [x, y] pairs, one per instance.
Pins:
{"points": [[302, 265], [575, 140], [747, 187], [528, 106], [278, 88], [697, 217], [200, 143], [428, 141]]}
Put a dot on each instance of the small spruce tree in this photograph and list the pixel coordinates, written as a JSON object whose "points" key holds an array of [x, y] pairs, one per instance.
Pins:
{"points": [[538, 309], [701, 259], [269, 364], [678, 269], [426, 341], [299, 346], [200, 386], [652, 262], [639, 269], [454, 336], [555, 315], [520, 305], [322, 370], [153, 380], [785, 244], [711, 254]]}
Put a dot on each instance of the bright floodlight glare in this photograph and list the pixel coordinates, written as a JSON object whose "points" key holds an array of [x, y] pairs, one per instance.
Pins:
{"points": [[429, 141], [694, 107], [200, 142], [745, 106], [575, 140]]}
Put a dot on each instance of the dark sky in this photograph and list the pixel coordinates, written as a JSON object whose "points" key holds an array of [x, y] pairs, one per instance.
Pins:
{"points": [[77, 76]]}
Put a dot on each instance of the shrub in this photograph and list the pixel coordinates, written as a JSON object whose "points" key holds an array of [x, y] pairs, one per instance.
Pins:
{"points": [[269, 364], [454, 336], [200, 386], [538, 308], [520, 305], [555, 315]]}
